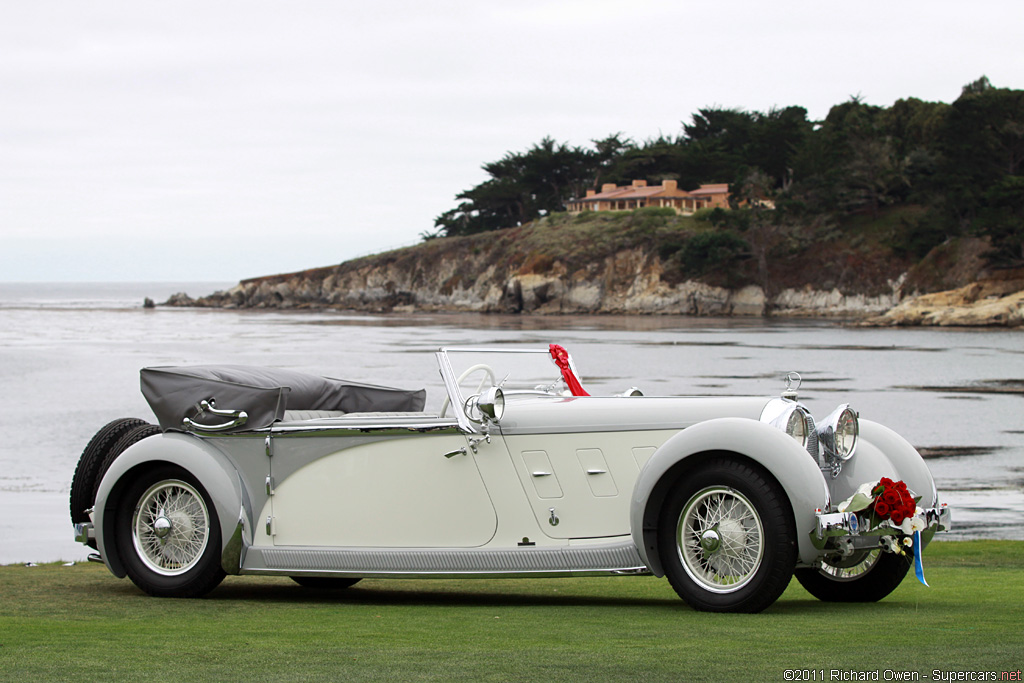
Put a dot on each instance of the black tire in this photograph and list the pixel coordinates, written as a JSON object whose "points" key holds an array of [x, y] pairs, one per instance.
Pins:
{"points": [[130, 438], [324, 582], [727, 539], [184, 562], [86, 479], [867, 576]]}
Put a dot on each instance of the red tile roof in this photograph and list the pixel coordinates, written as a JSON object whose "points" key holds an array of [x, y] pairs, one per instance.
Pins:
{"points": [[632, 192], [717, 188]]}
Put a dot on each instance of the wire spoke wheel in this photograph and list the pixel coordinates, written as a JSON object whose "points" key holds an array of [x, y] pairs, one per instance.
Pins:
{"points": [[726, 537], [171, 527], [865, 576], [849, 570], [720, 539], [167, 532]]}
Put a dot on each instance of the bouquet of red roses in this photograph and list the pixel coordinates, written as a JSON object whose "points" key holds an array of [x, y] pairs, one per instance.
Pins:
{"points": [[886, 501], [890, 504], [893, 501]]}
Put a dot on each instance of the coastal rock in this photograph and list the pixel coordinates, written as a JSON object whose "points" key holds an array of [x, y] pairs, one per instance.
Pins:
{"points": [[832, 303], [629, 283], [997, 301], [482, 275], [179, 299]]}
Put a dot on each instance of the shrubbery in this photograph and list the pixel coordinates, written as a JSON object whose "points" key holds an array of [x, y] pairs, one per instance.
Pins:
{"points": [[712, 249]]}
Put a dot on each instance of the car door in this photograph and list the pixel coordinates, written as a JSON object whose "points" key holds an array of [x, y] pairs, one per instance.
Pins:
{"points": [[378, 485], [580, 485]]}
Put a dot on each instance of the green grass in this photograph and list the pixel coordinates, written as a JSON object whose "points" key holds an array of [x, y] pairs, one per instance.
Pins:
{"points": [[80, 623]]}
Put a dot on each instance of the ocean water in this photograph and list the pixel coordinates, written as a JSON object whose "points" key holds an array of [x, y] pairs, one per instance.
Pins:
{"points": [[70, 356]]}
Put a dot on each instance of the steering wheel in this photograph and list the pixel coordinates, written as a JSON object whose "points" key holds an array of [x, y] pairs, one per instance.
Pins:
{"points": [[488, 375]]}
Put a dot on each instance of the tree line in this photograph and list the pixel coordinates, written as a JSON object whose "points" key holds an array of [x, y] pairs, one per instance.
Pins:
{"points": [[962, 161]]}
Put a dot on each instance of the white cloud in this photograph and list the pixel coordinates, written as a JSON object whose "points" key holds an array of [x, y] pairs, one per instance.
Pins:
{"points": [[310, 132]]}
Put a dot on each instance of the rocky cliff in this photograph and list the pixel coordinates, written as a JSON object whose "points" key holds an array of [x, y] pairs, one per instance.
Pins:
{"points": [[627, 282], [995, 301], [575, 268]]}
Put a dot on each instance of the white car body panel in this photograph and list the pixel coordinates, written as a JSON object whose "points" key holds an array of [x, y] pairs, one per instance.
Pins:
{"points": [[587, 482], [392, 494]]}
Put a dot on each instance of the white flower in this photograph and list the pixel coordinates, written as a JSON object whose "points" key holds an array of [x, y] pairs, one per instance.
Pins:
{"points": [[912, 524], [861, 499]]}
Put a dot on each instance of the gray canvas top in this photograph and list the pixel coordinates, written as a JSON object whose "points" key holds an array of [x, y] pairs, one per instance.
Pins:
{"points": [[174, 393]]}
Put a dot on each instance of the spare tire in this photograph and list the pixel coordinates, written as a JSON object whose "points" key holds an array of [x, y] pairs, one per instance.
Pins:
{"points": [[84, 483], [133, 436]]}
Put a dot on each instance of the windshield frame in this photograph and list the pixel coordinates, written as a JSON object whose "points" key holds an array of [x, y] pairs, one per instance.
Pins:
{"points": [[450, 374]]}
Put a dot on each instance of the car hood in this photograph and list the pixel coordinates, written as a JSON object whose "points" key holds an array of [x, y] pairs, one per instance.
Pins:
{"points": [[561, 415]]}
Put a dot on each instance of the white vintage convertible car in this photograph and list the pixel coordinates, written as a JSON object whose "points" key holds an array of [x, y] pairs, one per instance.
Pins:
{"points": [[521, 473]]}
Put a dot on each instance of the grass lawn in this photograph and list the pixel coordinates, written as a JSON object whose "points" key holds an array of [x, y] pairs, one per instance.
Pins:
{"points": [[79, 623]]}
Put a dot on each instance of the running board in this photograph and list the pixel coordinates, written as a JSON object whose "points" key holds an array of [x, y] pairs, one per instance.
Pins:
{"points": [[615, 558]]}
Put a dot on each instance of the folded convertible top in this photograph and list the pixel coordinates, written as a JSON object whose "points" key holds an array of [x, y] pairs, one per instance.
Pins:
{"points": [[175, 393]]}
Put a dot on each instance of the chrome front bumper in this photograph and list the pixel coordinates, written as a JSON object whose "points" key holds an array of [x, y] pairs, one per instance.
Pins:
{"points": [[832, 525]]}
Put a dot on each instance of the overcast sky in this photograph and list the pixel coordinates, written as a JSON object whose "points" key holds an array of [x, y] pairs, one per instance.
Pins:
{"points": [[216, 141]]}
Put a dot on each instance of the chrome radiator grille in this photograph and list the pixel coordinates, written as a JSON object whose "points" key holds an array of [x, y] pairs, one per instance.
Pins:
{"points": [[812, 437]]}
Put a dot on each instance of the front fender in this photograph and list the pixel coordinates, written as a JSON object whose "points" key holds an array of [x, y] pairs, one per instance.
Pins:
{"points": [[772, 449], [213, 470], [881, 452]]}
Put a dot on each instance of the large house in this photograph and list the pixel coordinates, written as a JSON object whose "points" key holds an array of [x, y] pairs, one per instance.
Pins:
{"points": [[640, 195]]}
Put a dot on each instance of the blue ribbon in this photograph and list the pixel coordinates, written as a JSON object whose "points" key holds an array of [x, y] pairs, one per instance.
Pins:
{"points": [[918, 566]]}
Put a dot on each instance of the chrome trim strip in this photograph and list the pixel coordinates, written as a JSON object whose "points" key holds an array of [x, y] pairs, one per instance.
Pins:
{"points": [[337, 426], [532, 560], [376, 429], [490, 349]]}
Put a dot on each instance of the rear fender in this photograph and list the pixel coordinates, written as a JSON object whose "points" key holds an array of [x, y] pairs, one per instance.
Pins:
{"points": [[207, 464], [770, 448]]}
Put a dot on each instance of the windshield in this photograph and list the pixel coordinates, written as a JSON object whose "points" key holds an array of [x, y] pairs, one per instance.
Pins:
{"points": [[515, 371]]}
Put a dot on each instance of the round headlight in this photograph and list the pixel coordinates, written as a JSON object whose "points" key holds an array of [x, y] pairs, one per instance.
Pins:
{"points": [[796, 426], [789, 416], [847, 429], [838, 432]]}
